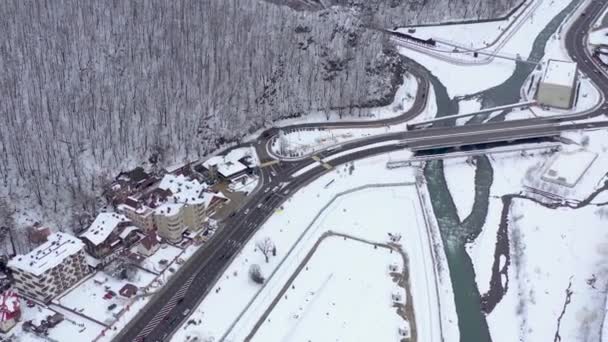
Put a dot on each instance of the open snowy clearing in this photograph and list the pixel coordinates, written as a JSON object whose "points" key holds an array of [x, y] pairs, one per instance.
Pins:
{"points": [[599, 37], [294, 231], [551, 248], [87, 297], [344, 294], [160, 260], [547, 250]]}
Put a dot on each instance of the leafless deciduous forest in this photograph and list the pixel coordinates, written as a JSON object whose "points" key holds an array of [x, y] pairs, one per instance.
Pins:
{"points": [[92, 87]]}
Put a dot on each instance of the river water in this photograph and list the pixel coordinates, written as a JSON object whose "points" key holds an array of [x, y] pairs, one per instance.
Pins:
{"points": [[457, 231]]}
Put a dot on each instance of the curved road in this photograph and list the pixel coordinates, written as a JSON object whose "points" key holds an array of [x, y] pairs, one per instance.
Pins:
{"points": [[164, 313]]}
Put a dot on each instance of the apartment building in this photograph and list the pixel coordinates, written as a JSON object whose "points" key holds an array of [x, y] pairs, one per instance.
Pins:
{"points": [[51, 268], [177, 204]]}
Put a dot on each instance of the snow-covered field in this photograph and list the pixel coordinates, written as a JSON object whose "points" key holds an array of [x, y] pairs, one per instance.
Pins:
{"points": [[155, 263], [599, 37], [304, 142], [294, 231], [344, 294], [88, 297], [548, 248]]}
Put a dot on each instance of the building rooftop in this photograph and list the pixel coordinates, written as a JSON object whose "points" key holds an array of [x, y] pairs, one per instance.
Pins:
{"points": [[560, 73], [231, 163], [102, 227], [184, 190], [48, 255]]}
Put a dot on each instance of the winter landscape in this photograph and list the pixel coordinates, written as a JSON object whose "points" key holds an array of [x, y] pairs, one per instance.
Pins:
{"points": [[304, 170]]}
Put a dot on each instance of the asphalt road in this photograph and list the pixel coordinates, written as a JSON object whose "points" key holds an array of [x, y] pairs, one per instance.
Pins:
{"points": [[164, 313]]}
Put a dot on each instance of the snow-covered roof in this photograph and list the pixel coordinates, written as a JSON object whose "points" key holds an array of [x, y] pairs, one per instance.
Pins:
{"points": [[184, 190], [101, 228], [48, 255], [127, 231], [560, 73], [229, 164], [168, 209]]}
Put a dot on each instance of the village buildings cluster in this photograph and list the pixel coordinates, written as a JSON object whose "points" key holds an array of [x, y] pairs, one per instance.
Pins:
{"points": [[145, 210]]}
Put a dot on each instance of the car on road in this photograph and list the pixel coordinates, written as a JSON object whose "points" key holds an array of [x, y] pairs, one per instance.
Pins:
{"points": [[186, 312], [246, 211], [232, 214]]}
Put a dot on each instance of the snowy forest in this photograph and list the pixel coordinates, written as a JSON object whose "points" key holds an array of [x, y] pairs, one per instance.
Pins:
{"points": [[90, 88]]}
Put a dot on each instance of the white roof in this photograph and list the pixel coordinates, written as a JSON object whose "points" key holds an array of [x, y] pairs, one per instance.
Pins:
{"points": [[101, 228], [229, 164], [560, 73], [184, 190], [127, 231], [48, 255]]}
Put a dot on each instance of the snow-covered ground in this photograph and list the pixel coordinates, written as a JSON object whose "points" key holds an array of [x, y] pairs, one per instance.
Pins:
{"points": [[344, 294], [88, 297], [299, 229], [245, 184], [597, 143], [72, 327], [404, 99], [304, 142], [599, 37], [472, 36], [162, 259], [485, 76], [550, 249], [460, 177]]}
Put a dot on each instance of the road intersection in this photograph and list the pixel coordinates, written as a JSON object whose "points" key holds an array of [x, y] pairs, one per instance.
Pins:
{"points": [[165, 311]]}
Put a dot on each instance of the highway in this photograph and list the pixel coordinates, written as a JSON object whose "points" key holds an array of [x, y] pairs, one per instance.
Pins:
{"points": [[164, 313]]}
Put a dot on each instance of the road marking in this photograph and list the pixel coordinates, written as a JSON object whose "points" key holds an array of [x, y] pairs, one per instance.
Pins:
{"points": [[269, 163], [323, 163]]}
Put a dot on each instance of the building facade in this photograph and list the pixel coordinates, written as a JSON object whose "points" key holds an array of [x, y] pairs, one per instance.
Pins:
{"points": [[558, 84], [51, 268]]}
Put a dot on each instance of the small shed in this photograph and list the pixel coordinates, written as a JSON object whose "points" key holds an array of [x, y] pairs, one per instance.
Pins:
{"points": [[129, 290]]}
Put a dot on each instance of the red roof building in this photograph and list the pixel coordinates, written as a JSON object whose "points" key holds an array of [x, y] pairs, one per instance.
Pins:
{"points": [[129, 290], [10, 310]]}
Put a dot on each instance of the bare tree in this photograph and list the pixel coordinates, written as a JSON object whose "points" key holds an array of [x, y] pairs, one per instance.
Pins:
{"points": [[266, 246], [255, 273]]}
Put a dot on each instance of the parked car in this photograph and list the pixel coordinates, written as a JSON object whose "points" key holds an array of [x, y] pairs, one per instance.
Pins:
{"points": [[112, 306], [30, 303], [108, 295]]}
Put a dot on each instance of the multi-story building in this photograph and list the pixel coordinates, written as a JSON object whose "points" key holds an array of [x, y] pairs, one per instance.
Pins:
{"points": [[51, 268], [108, 233], [177, 204], [558, 84]]}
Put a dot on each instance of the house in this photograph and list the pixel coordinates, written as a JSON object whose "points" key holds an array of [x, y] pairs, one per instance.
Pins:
{"points": [[129, 290], [51, 268], [109, 232], [10, 310], [38, 233], [127, 183], [149, 245]]}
